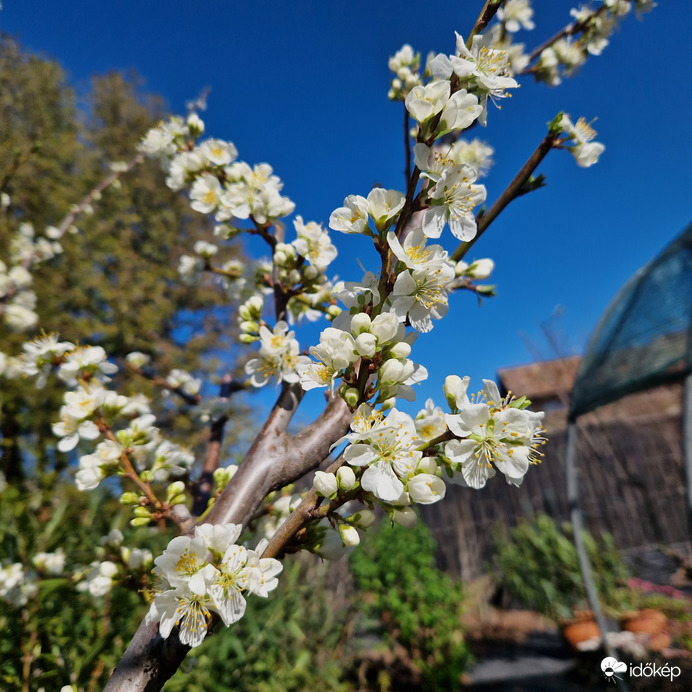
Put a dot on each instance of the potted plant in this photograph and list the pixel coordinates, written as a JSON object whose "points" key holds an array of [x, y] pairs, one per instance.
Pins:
{"points": [[539, 568]]}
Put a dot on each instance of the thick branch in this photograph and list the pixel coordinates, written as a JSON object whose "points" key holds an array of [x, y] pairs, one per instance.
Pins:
{"points": [[513, 190], [274, 460]]}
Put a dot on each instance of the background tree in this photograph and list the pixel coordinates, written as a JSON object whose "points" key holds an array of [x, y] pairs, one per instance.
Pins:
{"points": [[115, 284]]}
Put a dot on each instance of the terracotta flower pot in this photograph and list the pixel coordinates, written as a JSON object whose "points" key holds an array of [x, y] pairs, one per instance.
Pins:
{"points": [[648, 621], [581, 630]]}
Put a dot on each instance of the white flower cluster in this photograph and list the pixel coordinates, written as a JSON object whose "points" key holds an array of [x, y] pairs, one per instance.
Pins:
{"points": [[483, 71], [17, 298], [278, 356], [490, 433], [205, 574], [594, 28], [218, 183], [405, 64], [16, 586], [516, 15], [398, 461], [115, 562], [89, 410]]}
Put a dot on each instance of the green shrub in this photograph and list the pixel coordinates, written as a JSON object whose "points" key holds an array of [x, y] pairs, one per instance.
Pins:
{"points": [[417, 606], [539, 567], [62, 635]]}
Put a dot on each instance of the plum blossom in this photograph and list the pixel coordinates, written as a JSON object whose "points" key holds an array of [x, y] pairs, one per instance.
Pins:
{"points": [[453, 198], [497, 436], [352, 217], [204, 574], [484, 66], [585, 151], [389, 453], [335, 353], [421, 295], [314, 244], [278, 356], [516, 14]]}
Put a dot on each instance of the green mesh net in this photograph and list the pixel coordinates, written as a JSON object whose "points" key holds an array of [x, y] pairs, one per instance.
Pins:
{"points": [[644, 339]]}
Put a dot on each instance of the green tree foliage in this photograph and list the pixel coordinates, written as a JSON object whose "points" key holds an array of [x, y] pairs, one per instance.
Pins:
{"points": [[116, 283], [417, 607], [63, 635]]}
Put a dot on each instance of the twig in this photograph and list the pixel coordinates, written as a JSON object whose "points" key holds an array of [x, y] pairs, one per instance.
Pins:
{"points": [[569, 30], [192, 399], [407, 144], [303, 513], [487, 13], [211, 461]]}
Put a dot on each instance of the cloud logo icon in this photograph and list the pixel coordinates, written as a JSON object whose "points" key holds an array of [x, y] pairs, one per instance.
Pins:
{"points": [[610, 666]]}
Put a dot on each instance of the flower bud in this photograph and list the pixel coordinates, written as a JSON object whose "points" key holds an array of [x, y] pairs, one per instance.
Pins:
{"points": [[175, 489], [486, 290], [360, 323], [427, 465], [425, 489], [400, 350], [391, 371], [294, 276], [247, 338], [333, 311], [460, 268], [481, 269], [366, 345], [346, 478], [309, 272], [405, 517], [137, 359], [455, 391], [389, 403], [325, 484], [349, 535], [365, 518], [385, 327], [129, 498], [351, 397], [249, 326], [195, 124], [141, 512], [140, 521]]}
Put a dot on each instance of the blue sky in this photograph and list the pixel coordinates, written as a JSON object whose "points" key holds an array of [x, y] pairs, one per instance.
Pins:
{"points": [[303, 85]]}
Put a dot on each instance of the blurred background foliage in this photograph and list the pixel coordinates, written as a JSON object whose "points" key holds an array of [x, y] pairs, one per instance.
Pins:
{"points": [[115, 284], [538, 566], [384, 624]]}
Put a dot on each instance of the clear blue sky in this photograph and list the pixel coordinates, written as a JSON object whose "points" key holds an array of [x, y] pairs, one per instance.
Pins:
{"points": [[302, 85]]}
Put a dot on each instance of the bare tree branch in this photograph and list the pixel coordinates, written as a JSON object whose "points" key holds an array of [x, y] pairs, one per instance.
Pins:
{"points": [[274, 460]]}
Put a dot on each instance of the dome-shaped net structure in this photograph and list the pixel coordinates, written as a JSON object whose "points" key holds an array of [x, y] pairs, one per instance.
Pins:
{"points": [[645, 336]]}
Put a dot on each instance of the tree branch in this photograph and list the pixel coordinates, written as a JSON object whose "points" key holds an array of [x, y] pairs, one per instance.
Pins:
{"points": [[274, 460], [211, 461], [487, 13]]}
